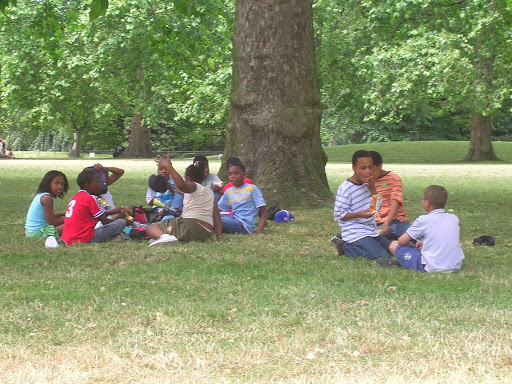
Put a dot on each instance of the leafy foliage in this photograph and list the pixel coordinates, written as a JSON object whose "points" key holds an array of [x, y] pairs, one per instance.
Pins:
{"points": [[414, 62], [69, 71]]}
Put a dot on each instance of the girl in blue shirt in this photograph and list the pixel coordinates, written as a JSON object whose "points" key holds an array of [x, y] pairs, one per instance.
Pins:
{"points": [[42, 220]]}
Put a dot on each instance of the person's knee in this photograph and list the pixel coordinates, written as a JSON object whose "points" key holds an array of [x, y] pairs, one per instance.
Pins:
{"points": [[393, 246], [154, 231]]}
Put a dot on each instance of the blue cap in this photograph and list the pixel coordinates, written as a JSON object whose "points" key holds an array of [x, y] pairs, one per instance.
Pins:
{"points": [[283, 217]]}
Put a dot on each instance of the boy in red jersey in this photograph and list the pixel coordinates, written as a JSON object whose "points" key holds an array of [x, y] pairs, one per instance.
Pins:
{"points": [[84, 212]]}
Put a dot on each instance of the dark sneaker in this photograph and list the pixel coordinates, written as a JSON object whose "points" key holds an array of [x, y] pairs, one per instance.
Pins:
{"points": [[386, 263], [335, 239], [338, 243], [339, 247]]}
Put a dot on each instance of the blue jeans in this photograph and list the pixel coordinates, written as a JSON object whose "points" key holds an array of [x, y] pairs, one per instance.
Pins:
{"points": [[177, 201], [398, 228], [369, 247], [230, 224]]}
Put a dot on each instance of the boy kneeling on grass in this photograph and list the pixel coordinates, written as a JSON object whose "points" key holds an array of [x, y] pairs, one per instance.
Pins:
{"points": [[437, 247], [352, 211]]}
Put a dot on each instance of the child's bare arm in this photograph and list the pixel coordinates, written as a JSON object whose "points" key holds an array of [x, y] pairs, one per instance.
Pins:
{"points": [[405, 239], [217, 221], [51, 217], [182, 185], [263, 219], [354, 215]]}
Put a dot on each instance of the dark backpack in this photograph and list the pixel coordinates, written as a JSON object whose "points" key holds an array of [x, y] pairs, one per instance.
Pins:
{"points": [[146, 215], [138, 233], [272, 212]]}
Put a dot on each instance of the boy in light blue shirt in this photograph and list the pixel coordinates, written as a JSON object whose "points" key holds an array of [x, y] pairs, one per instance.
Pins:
{"points": [[246, 202], [437, 246]]}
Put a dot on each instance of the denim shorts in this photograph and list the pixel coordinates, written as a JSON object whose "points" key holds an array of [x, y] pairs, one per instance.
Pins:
{"points": [[409, 257]]}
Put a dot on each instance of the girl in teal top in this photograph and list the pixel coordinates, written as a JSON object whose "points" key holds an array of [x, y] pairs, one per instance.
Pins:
{"points": [[42, 220]]}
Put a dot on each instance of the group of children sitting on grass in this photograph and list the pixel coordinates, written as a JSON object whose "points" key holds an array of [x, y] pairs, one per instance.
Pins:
{"points": [[368, 207], [189, 210]]}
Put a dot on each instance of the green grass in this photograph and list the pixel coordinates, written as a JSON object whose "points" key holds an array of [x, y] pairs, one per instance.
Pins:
{"points": [[280, 307]]}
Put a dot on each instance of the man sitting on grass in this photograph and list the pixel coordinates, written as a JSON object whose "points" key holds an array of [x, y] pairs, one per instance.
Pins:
{"points": [[437, 247]]}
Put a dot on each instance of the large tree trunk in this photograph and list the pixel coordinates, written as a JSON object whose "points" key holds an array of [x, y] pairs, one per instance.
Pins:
{"points": [[480, 147], [140, 140], [275, 112], [77, 140]]}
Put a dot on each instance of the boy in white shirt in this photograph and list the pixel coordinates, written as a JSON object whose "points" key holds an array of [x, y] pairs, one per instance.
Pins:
{"points": [[437, 246]]}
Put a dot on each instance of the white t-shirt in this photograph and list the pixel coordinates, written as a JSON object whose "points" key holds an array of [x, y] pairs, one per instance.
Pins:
{"points": [[439, 233], [210, 180]]}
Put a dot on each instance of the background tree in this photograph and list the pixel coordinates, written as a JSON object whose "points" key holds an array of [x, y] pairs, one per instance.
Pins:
{"points": [[420, 62]]}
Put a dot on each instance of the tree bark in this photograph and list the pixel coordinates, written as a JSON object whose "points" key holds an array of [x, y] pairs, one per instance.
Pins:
{"points": [[140, 140], [480, 146], [77, 140], [275, 110]]}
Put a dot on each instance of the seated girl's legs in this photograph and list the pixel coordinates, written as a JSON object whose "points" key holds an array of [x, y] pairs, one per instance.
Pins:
{"points": [[230, 224], [368, 247], [108, 231], [44, 232], [154, 231]]}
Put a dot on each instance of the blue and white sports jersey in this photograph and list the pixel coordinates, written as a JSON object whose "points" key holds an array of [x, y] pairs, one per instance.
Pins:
{"points": [[245, 201]]}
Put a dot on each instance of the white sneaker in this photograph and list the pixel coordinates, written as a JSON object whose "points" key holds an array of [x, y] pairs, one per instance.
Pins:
{"points": [[165, 239], [51, 242]]}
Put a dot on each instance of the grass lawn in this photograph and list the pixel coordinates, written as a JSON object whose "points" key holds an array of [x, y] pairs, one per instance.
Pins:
{"points": [[275, 308]]}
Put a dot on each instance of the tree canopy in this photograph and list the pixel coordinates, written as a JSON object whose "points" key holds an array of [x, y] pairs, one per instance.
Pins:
{"points": [[386, 67]]}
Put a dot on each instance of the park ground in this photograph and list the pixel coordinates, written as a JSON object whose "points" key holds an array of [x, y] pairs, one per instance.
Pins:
{"points": [[277, 308]]}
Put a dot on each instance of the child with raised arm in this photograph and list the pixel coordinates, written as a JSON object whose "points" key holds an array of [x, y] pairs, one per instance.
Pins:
{"points": [[437, 246], [107, 176], [200, 212], [352, 211], [42, 221], [246, 202], [84, 212]]}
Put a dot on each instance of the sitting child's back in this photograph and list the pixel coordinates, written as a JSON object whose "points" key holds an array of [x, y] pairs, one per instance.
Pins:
{"points": [[437, 247]]}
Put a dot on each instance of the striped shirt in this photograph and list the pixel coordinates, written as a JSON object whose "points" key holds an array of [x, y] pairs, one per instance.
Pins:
{"points": [[389, 186], [352, 198]]}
